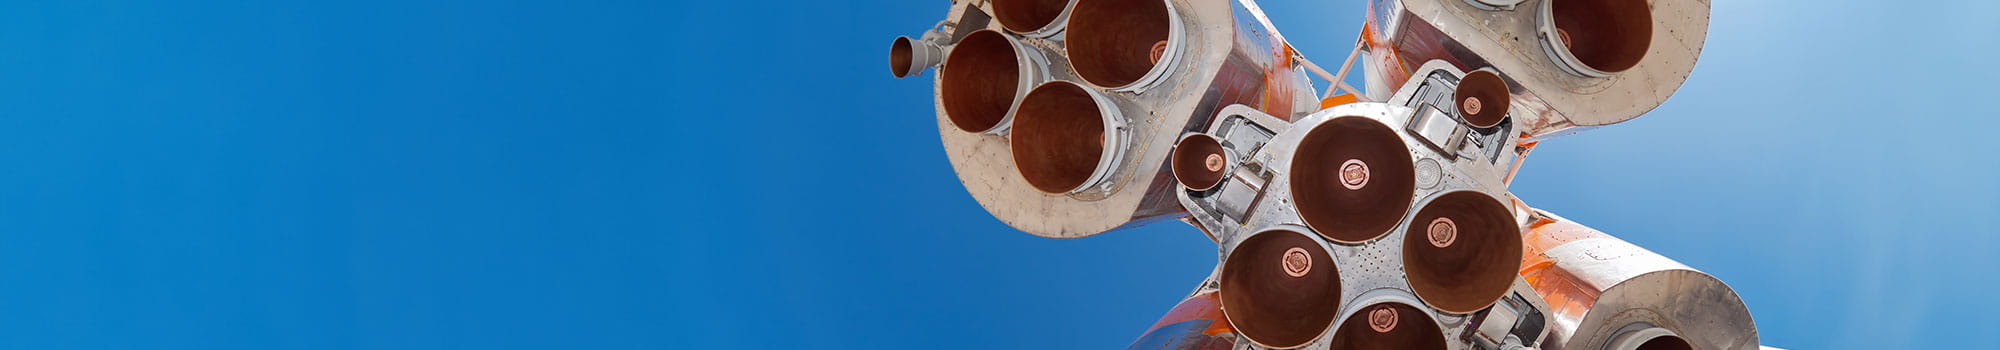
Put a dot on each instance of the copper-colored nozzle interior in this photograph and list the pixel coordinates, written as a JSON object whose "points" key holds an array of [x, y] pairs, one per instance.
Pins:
{"points": [[1280, 288], [1462, 251], [1482, 98], [1110, 42], [900, 56], [979, 80], [1607, 35], [1199, 162], [1058, 137], [1666, 343], [1022, 16], [1352, 179], [1388, 326]]}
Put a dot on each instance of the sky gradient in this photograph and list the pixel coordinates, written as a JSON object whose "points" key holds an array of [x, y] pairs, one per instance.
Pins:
{"points": [[723, 174]]}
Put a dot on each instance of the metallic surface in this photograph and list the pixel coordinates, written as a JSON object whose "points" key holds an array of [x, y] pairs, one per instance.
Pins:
{"points": [[1231, 56], [1256, 197], [1601, 288], [1375, 219], [1550, 95]]}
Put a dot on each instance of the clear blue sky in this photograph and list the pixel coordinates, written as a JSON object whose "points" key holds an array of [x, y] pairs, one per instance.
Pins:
{"points": [[670, 175]]}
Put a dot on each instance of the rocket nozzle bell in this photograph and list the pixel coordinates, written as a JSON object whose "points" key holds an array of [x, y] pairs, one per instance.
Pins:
{"points": [[1280, 288], [1482, 98], [1388, 326], [1352, 178], [1462, 252], [1199, 162], [1026, 16], [1112, 43], [980, 81]]}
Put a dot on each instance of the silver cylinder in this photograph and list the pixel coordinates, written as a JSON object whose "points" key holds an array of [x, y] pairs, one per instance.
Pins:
{"points": [[1606, 293]]}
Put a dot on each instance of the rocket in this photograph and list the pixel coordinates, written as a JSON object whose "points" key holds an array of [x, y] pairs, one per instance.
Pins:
{"points": [[1376, 218]]}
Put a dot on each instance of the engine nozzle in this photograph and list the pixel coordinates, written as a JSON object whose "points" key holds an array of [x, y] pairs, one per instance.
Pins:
{"points": [[1352, 179], [1111, 42], [1032, 17], [1388, 326], [1280, 288], [1462, 251], [1200, 162], [1482, 98], [1065, 137], [1597, 38], [909, 57], [983, 78]]}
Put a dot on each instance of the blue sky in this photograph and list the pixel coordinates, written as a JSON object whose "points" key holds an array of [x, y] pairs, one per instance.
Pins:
{"points": [[644, 174]]}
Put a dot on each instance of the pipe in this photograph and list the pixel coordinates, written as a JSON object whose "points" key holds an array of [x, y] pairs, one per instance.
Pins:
{"points": [[1352, 179], [1622, 58]]}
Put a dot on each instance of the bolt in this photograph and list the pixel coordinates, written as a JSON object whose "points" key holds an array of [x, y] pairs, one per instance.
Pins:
{"points": [[1471, 106], [1213, 162]]}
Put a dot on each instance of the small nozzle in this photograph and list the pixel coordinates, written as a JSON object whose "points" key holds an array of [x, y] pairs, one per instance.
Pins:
{"points": [[909, 57], [1199, 162], [1352, 179], [1482, 98]]}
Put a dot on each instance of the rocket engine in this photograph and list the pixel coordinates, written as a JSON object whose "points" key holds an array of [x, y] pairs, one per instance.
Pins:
{"points": [[1376, 219], [1060, 116]]}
